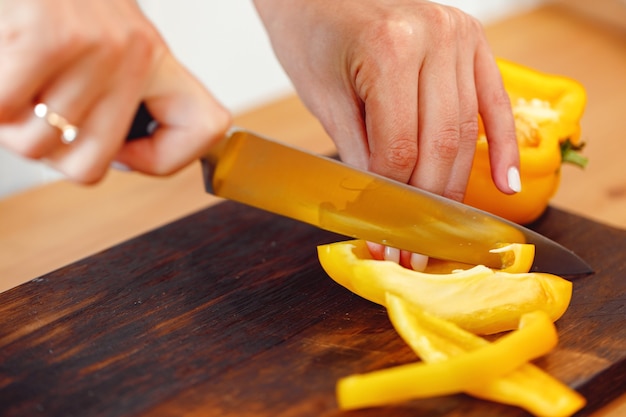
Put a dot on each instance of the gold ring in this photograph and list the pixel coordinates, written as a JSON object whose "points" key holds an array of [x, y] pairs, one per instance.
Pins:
{"points": [[69, 132]]}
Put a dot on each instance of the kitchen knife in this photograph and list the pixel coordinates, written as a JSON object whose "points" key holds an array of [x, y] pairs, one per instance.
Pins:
{"points": [[331, 195]]}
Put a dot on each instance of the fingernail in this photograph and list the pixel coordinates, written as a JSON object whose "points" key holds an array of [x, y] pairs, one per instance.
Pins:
{"points": [[418, 262], [118, 166], [392, 254], [513, 179]]}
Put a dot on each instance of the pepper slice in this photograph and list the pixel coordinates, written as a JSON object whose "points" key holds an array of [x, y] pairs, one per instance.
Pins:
{"points": [[516, 258], [535, 337], [478, 299], [435, 340], [547, 109]]}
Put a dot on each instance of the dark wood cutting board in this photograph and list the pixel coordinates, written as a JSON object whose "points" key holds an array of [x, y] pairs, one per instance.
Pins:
{"points": [[228, 313]]}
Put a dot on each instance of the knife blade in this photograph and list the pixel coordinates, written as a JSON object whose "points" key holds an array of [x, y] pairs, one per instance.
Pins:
{"points": [[324, 192]]}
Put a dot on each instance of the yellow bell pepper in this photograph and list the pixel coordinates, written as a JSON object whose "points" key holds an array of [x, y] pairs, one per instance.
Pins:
{"points": [[478, 299], [547, 110], [536, 336], [435, 340]]}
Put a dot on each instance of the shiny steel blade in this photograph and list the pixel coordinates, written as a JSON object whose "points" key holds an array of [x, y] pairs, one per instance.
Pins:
{"points": [[336, 197]]}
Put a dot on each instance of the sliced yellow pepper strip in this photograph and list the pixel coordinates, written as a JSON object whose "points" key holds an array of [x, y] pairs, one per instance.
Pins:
{"points": [[435, 340], [536, 336], [516, 258], [478, 299]]}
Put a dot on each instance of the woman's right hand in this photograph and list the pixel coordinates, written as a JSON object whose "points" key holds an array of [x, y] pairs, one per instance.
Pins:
{"points": [[93, 62]]}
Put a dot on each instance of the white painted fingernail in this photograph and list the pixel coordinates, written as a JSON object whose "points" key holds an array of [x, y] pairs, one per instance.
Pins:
{"points": [[118, 166], [418, 262], [513, 179], [392, 254]]}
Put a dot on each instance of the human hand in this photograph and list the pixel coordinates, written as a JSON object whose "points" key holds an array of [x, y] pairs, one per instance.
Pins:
{"points": [[398, 85], [93, 62]]}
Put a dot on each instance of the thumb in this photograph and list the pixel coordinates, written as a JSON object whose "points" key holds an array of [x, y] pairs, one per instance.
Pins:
{"points": [[189, 121]]}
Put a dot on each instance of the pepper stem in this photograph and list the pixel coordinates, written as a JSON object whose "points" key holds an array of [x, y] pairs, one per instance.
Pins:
{"points": [[570, 154]]}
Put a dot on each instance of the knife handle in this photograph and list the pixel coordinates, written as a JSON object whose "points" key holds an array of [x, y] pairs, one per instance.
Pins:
{"points": [[143, 124]]}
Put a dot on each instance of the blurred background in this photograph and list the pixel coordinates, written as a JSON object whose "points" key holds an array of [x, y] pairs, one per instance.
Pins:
{"points": [[225, 46]]}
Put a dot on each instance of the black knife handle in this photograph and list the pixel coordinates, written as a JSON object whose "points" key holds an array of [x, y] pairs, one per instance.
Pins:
{"points": [[143, 124]]}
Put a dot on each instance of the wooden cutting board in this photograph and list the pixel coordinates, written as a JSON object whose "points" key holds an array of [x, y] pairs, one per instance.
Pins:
{"points": [[228, 313]]}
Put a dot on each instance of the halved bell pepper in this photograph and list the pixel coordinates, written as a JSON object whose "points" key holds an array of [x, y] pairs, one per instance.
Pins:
{"points": [[547, 110], [436, 340], [536, 336], [478, 299]]}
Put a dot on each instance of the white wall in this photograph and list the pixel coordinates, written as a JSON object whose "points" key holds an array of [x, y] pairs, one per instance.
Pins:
{"points": [[223, 43]]}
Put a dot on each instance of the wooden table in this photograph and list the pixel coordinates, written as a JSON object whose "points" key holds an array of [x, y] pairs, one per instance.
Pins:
{"points": [[52, 226]]}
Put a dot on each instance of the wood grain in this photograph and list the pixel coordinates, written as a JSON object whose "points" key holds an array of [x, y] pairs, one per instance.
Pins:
{"points": [[228, 313]]}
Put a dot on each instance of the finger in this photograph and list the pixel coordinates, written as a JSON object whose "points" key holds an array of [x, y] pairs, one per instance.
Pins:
{"points": [[102, 130], [70, 95], [190, 122], [28, 135], [387, 83], [30, 59], [439, 134], [343, 121], [341, 114], [495, 110], [415, 261], [468, 128], [103, 89], [376, 250], [74, 80], [101, 134], [392, 134], [33, 51]]}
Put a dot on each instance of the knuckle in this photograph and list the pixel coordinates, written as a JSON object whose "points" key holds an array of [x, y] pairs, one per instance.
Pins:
{"points": [[453, 24], [397, 160], [13, 37], [389, 36], [88, 174], [447, 144], [474, 24], [8, 107], [145, 44], [455, 194], [499, 98], [137, 44], [220, 121], [27, 146], [109, 49], [83, 166], [215, 126], [442, 16], [30, 150], [444, 19], [468, 129], [72, 40]]}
